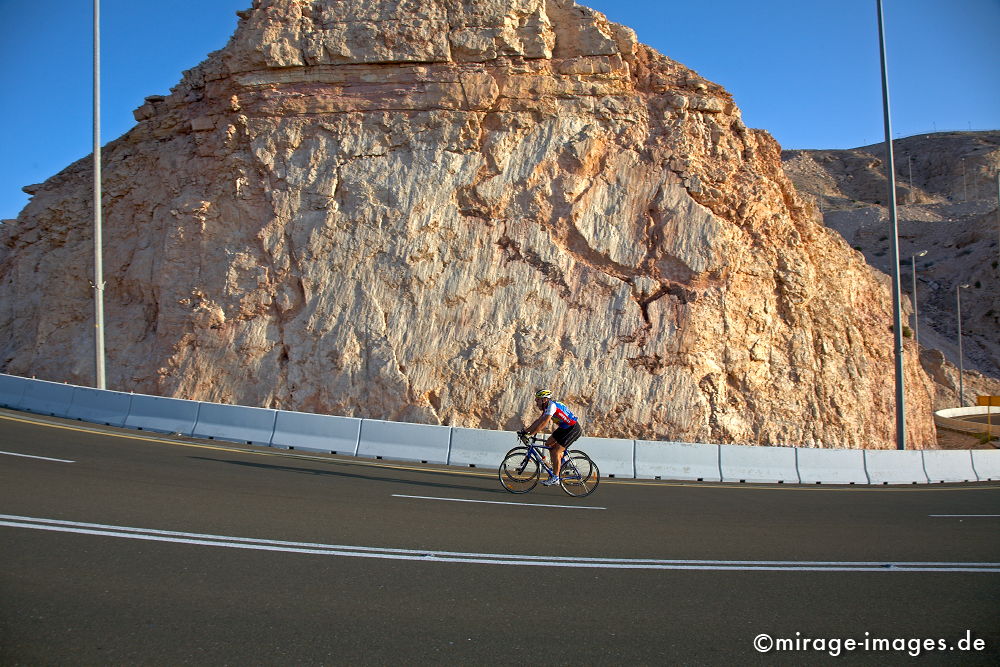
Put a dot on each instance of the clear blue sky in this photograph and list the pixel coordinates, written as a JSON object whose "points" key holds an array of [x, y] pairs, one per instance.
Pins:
{"points": [[807, 71]]}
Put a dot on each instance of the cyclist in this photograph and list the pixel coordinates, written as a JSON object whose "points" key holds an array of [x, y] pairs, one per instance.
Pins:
{"points": [[567, 429]]}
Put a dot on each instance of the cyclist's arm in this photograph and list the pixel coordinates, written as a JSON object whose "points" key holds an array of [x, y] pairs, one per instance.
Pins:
{"points": [[539, 424]]}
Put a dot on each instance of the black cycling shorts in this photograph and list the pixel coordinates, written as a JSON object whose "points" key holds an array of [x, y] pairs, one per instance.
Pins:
{"points": [[568, 435]]}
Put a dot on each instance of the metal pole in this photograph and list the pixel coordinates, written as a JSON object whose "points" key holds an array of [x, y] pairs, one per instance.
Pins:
{"points": [[98, 261], [916, 315], [961, 363], [909, 162], [916, 312], [965, 184], [897, 328]]}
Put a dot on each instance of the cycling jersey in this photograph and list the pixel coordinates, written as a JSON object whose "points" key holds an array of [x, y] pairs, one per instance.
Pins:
{"points": [[560, 414]]}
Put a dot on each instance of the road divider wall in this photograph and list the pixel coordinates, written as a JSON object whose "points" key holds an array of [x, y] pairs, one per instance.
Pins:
{"points": [[12, 390], [986, 463], [422, 443], [949, 466], [740, 463], [614, 457], [162, 415], [372, 438], [99, 407], [895, 467], [316, 433], [479, 448], [831, 466], [677, 460], [236, 423], [47, 398]]}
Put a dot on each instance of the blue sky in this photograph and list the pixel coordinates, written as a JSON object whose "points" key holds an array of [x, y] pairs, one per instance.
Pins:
{"points": [[807, 71]]}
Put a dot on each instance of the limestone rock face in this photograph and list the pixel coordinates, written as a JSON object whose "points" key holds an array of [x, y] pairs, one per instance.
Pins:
{"points": [[423, 210]]}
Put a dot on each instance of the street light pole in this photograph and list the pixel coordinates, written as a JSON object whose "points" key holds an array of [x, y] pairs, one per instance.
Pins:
{"points": [[909, 162], [965, 184], [961, 362], [897, 328], [916, 313], [98, 260]]}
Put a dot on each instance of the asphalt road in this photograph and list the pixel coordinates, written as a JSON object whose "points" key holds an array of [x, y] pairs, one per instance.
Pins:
{"points": [[121, 548], [982, 419]]}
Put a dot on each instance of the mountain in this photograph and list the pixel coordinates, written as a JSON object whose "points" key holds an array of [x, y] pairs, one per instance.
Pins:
{"points": [[425, 210], [947, 193]]}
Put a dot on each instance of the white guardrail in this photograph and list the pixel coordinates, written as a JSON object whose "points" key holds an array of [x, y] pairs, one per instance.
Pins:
{"points": [[467, 447]]}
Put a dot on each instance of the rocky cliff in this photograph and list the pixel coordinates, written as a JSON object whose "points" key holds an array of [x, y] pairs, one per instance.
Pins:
{"points": [[424, 209]]}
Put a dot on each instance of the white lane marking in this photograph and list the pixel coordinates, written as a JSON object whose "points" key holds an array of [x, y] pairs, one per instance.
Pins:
{"points": [[43, 458], [426, 555], [500, 502], [948, 516]]}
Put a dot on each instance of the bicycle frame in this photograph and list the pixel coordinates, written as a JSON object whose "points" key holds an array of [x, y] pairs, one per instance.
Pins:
{"points": [[533, 447]]}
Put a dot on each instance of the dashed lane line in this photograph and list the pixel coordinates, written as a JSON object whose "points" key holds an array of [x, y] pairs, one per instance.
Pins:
{"points": [[41, 458], [499, 502]]}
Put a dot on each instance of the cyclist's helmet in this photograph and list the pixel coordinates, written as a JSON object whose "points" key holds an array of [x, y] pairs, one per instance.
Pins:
{"points": [[543, 393]]}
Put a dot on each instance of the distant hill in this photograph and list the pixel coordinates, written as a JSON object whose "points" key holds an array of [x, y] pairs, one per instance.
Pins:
{"points": [[946, 205]]}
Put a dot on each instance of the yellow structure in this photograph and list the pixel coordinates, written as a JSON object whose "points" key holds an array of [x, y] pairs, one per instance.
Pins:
{"points": [[988, 401]]}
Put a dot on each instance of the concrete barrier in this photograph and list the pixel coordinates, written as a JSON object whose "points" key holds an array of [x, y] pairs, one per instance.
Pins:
{"points": [[47, 398], [316, 433], [474, 447], [479, 448], [12, 390], [742, 463], [955, 419], [676, 460], [99, 407], [831, 466], [235, 423], [889, 466], [614, 458], [987, 464], [404, 442], [949, 466], [162, 415]]}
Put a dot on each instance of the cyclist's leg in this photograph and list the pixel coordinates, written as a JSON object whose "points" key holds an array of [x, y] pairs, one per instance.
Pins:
{"points": [[556, 450], [563, 438]]}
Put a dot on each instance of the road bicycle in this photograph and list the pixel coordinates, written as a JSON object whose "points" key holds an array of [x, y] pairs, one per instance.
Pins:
{"points": [[523, 464]]}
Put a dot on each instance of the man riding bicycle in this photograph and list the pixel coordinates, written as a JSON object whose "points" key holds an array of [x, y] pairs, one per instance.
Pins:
{"points": [[567, 429]]}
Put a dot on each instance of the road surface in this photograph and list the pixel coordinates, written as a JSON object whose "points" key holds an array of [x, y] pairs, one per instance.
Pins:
{"points": [[120, 547]]}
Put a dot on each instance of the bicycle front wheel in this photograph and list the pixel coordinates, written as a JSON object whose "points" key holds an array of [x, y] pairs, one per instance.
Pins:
{"points": [[518, 472], [579, 475]]}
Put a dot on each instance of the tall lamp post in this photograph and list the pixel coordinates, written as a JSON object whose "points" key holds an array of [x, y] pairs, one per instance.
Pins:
{"points": [[916, 315], [98, 261], [961, 362], [894, 244]]}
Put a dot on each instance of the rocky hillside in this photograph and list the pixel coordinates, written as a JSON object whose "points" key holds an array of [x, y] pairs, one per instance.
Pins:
{"points": [[946, 207], [425, 215]]}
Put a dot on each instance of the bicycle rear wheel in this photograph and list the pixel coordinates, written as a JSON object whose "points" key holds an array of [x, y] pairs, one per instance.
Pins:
{"points": [[518, 472], [579, 475]]}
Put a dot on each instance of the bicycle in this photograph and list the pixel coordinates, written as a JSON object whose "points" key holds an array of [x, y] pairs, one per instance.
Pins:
{"points": [[522, 465]]}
